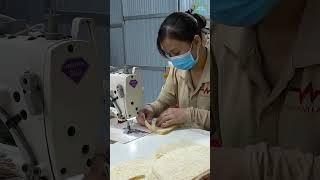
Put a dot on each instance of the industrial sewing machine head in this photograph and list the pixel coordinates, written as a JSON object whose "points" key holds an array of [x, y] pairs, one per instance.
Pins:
{"points": [[51, 99], [126, 94]]}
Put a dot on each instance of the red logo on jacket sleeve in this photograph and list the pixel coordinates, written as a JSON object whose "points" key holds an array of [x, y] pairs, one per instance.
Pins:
{"points": [[215, 143], [308, 90], [205, 89]]}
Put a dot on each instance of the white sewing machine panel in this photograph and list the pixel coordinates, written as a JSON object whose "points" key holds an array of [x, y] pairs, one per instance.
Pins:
{"points": [[127, 91], [56, 87]]}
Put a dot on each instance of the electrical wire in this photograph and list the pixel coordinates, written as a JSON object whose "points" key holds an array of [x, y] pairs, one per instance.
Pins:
{"points": [[7, 18], [7, 168], [18, 132], [34, 27]]}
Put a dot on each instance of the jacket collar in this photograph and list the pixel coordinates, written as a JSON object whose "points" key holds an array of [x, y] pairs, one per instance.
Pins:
{"points": [[242, 40], [206, 70], [306, 52]]}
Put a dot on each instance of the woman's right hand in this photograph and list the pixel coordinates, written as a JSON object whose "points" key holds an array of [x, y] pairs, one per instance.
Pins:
{"points": [[146, 113]]}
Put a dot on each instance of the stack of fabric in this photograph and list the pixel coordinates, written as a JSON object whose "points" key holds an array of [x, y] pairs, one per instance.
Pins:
{"points": [[177, 161]]}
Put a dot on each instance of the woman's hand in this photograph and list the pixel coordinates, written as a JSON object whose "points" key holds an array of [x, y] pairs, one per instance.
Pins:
{"points": [[172, 116], [97, 170], [8, 169], [146, 113]]}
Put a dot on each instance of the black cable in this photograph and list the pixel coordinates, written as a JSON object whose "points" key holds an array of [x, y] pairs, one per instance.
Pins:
{"points": [[13, 124], [47, 144], [113, 101]]}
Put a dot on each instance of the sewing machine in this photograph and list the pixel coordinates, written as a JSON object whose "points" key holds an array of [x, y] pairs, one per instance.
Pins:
{"points": [[126, 93], [126, 96], [51, 100]]}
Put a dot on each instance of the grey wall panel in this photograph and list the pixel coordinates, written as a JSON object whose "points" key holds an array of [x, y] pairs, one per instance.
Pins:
{"points": [[144, 7], [99, 6], [140, 42], [102, 43], [30, 11], [185, 5], [152, 82], [116, 12], [116, 47]]}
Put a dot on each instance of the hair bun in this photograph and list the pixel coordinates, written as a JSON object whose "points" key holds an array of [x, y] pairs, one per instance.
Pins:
{"points": [[201, 20], [190, 11]]}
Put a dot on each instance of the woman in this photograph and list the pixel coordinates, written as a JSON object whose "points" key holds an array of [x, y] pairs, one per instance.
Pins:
{"points": [[180, 40], [267, 54]]}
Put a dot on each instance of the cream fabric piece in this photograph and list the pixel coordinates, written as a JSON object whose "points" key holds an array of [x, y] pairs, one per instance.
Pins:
{"points": [[162, 131], [179, 160], [192, 162], [133, 170]]}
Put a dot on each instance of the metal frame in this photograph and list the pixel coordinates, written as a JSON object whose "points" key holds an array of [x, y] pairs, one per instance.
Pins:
{"points": [[118, 25], [65, 17], [147, 16], [149, 68], [123, 35], [140, 17]]}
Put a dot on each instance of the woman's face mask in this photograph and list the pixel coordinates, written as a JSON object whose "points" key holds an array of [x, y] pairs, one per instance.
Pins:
{"points": [[184, 61]]}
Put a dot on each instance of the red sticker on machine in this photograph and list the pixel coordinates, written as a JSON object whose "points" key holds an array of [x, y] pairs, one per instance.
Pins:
{"points": [[75, 69]]}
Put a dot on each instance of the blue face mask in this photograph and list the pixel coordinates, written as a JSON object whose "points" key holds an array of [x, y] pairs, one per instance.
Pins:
{"points": [[184, 61], [241, 12]]}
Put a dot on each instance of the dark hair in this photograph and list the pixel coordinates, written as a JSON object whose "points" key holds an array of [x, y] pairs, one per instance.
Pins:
{"points": [[182, 26]]}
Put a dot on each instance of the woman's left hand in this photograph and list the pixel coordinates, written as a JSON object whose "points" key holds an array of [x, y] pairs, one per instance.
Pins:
{"points": [[97, 170], [172, 116]]}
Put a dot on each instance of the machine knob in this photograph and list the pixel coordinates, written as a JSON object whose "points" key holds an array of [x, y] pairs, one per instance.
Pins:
{"points": [[11, 37], [120, 91], [31, 38]]}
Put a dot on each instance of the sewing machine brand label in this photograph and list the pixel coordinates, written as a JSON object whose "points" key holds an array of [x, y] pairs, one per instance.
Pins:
{"points": [[133, 83], [75, 69]]}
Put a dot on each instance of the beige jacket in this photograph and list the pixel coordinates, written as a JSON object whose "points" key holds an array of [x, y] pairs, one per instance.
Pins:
{"points": [[178, 88], [251, 112]]}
